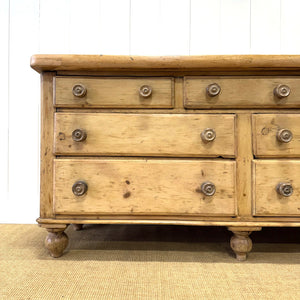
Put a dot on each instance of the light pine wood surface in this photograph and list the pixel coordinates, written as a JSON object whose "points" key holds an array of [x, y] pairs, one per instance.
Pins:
{"points": [[114, 92], [267, 174], [243, 160], [265, 130], [241, 92], [44, 62], [47, 127], [151, 186], [145, 134], [130, 164]]}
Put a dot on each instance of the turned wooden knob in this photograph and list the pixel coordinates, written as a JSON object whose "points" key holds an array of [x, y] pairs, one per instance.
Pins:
{"points": [[79, 90], [145, 91], [284, 189], [79, 135], [208, 135], [213, 90], [284, 135], [79, 188], [282, 91], [208, 188]]}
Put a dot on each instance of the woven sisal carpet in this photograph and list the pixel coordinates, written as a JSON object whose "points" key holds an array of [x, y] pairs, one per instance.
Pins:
{"points": [[148, 262]]}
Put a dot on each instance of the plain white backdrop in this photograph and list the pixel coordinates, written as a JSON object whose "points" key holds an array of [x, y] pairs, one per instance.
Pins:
{"points": [[135, 27]]}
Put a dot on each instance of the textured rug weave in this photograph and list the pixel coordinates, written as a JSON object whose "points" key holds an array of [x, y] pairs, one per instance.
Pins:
{"points": [[148, 262]]}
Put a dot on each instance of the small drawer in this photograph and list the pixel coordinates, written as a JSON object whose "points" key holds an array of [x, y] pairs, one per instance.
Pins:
{"points": [[276, 187], [144, 187], [195, 135], [276, 135], [241, 92], [147, 92]]}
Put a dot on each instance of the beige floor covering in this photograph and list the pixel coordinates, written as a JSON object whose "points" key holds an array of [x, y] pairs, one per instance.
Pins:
{"points": [[148, 262]]}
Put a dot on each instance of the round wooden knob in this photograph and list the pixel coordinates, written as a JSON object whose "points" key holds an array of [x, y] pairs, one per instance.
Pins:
{"points": [[79, 135], [145, 91], [208, 135], [282, 91], [284, 189], [79, 90], [208, 188], [213, 90], [284, 135], [79, 188]]}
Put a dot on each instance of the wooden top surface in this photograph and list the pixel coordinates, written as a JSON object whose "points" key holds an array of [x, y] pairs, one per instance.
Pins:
{"points": [[70, 62]]}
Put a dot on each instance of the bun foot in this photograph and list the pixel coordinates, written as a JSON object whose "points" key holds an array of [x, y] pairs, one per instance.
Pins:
{"points": [[56, 242], [240, 242]]}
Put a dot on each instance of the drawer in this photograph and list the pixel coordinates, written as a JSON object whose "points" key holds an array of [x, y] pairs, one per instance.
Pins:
{"points": [[276, 187], [144, 187], [202, 135], [147, 92], [276, 135], [241, 92]]}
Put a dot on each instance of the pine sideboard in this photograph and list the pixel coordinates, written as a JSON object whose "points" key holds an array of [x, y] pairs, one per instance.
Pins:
{"points": [[183, 140]]}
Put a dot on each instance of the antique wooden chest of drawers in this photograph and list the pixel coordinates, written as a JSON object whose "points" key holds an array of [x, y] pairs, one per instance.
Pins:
{"points": [[195, 140]]}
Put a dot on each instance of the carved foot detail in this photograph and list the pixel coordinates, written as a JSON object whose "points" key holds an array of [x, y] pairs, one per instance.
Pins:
{"points": [[240, 242], [56, 242], [77, 227]]}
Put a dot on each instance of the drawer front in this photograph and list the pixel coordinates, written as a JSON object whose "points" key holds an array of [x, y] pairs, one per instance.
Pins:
{"points": [[276, 135], [144, 187], [83, 92], [276, 187], [145, 134], [240, 92]]}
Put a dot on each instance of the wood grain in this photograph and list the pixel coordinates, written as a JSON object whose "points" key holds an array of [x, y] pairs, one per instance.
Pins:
{"points": [[141, 134], [114, 92], [47, 124], [173, 221], [145, 164], [240, 92], [266, 176], [243, 160], [265, 128], [67, 62], [141, 186]]}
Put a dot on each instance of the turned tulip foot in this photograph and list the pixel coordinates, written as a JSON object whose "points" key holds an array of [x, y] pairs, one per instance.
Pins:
{"points": [[77, 227], [56, 242], [240, 242]]}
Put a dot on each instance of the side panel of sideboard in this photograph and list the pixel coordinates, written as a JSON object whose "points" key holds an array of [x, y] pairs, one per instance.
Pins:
{"points": [[46, 168]]}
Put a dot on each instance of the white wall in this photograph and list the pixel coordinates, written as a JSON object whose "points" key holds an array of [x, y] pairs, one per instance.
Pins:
{"points": [[137, 27]]}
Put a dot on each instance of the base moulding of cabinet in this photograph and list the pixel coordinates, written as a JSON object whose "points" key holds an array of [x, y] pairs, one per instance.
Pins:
{"points": [[46, 223]]}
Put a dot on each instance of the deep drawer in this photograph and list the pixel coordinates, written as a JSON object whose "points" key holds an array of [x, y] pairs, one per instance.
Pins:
{"points": [[276, 187], [147, 92], [198, 135], [241, 92], [144, 187], [276, 135]]}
